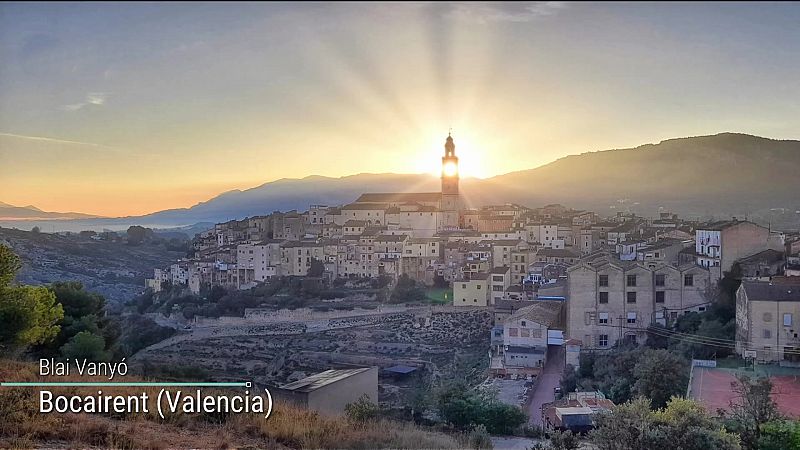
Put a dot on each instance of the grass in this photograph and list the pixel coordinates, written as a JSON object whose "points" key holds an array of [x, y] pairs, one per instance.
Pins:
{"points": [[21, 426], [440, 296]]}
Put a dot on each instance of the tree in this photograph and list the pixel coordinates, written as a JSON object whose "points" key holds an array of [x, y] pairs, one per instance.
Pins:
{"points": [[137, 234], [29, 315], [83, 311], [362, 410], [660, 375], [9, 266], [564, 440], [751, 408], [780, 435], [407, 291], [465, 408], [682, 424], [317, 268], [86, 345]]}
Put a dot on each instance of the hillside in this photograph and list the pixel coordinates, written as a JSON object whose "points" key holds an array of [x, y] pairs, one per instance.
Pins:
{"points": [[11, 212], [114, 269], [288, 427], [722, 174]]}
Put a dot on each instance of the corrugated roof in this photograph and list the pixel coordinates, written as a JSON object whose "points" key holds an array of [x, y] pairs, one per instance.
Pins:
{"points": [[321, 379]]}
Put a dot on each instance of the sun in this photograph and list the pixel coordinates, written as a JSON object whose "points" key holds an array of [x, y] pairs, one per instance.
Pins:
{"points": [[450, 169]]}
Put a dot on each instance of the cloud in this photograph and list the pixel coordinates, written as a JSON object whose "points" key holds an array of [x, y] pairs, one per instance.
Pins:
{"points": [[505, 12], [54, 140], [92, 98]]}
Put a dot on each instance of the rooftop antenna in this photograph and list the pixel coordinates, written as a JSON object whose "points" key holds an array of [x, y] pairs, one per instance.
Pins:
{"points": [[449, 132]]}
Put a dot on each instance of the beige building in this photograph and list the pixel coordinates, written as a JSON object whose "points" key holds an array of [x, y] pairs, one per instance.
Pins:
{"points": [[257, 263], [609, 300], [525, 335], [296, 257], [499, 282], [330, 391], [767, 315], [472, 292], [371, 214]]}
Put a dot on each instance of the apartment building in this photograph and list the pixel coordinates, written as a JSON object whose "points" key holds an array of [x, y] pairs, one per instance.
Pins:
{"points": [[718, 245], [499, 282], [767, 315], [610, 300]]}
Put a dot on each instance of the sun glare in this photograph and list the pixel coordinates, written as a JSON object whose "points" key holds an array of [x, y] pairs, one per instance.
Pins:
{"points": [[450, 169]]}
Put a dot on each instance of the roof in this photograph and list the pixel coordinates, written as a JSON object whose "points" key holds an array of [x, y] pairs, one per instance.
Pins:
{"points": [[400, 369], [478, 276], [501, 270], [767, 256], [771, 292], [557, 253], [391, 238], [355, 223], [314, 382], [399, 197], [365, 206], [506, 242], [543, 312], [722, 224]]}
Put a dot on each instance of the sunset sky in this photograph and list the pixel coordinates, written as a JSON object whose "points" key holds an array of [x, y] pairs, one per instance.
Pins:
{"points": [[120, 109]]}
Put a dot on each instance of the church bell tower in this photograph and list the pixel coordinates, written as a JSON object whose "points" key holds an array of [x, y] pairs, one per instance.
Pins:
{"points": [[450, 204]]}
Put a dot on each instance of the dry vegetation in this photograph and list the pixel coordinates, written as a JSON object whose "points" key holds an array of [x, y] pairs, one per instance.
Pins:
{"points": [[21, 426]]}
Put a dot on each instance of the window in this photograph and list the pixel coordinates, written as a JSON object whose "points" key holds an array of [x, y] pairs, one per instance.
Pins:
{"points": [[604, 297], [523, 323], [631, 338], [767, 334], [602, 340], [525, 333], [463, 285], [660, 279], [688, 280], [631, 317], [602, 318], [660, 295], [479, 287], [512, 332], [631, 297], [603, 280], [631, 280], [787, 320]]}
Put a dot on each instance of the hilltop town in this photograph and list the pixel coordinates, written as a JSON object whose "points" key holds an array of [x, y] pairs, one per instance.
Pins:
{"points": [[535, 289]]}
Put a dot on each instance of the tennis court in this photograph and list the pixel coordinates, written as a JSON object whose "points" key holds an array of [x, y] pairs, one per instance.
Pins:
{"points": [[713, 387]]}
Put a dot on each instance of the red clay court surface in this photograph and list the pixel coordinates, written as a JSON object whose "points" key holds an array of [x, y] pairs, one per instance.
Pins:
{"points": [[712, 387]]}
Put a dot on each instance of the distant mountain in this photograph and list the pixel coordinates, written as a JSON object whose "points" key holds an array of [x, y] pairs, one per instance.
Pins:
{"points": [[724, 174], [721, 175], [30, 212]]}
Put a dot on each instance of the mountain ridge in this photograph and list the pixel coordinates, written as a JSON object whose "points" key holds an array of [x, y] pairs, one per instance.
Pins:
{"points": [[727, 173]]}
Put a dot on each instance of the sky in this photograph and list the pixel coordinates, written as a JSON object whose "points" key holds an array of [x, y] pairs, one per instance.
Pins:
{"points": [[125, 109]]}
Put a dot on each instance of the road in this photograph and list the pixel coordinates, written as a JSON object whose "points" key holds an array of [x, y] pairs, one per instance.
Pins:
{"points": [[548, 381]]}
